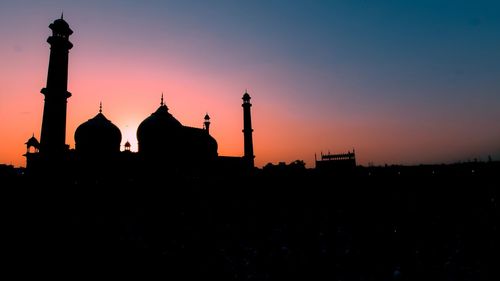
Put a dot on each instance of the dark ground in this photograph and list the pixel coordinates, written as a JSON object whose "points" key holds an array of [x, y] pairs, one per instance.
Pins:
{"points": [[264, 227]]}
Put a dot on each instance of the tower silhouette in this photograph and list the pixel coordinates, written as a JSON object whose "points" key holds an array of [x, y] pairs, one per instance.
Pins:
{"points": [[206, 123], [53, 135], [247, 130]]}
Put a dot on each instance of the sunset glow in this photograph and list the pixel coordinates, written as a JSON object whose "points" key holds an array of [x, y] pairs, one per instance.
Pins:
{"points": [[399, 84]]}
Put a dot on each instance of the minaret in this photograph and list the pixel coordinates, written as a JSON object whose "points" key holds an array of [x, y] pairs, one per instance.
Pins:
{"points": [[247, 130], [206, 124], [53, 136], [127, 146]]}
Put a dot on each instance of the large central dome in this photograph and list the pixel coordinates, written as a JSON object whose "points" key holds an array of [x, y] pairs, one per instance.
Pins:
{"points": [[163, 139], [159, 131], [157, 122]]}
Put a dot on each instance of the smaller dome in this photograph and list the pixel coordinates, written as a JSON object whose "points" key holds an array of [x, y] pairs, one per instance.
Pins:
{"points": [[246, 96], [98, 134], [207, 117], [33, 142], [61, 26]]}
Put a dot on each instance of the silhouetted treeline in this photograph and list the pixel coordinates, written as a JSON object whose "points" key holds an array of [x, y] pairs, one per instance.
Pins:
{"points": [[384, 223]]}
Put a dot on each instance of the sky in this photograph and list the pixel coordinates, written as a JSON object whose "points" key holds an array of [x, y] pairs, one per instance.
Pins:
{"points": [[401, 82]]}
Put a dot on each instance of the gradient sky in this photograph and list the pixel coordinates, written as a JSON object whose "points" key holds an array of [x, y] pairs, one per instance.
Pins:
{"points": [[402, 82]]}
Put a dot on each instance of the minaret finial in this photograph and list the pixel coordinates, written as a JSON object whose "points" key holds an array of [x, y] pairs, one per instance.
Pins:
{"points": [[62, 15], [100, 107], [161, 103]]}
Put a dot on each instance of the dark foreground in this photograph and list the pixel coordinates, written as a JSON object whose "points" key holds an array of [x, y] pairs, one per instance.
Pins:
{"points": [[265, 227]]}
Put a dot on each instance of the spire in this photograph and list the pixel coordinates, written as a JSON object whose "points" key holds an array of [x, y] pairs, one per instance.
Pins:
{"points": [[100, 107], [62, 15], [161, 103]]}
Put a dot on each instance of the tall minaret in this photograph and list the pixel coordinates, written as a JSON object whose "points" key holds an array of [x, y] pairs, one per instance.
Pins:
{"points": [[53, 136], [247, 130]]}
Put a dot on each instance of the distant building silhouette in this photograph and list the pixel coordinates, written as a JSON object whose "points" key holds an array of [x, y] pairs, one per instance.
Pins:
{"points": [[165, 145], [336, 163]]}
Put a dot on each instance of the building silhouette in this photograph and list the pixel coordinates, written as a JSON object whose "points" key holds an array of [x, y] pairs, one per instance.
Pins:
{"points": [[343, 163], [165, 145]]}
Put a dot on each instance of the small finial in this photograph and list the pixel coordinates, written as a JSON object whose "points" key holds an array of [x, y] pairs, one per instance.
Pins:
{"points": [[161, 103], [100, 107], [33, 135], [62, 15]]}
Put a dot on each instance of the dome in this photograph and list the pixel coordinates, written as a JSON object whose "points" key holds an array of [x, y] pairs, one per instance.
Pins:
{"points": [[33, 142], [246, 97], [98, 135], [159, 128], [61, 26]]}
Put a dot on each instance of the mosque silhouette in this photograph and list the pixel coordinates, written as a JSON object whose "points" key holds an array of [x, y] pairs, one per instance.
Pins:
{"points": [[164, 144]]}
